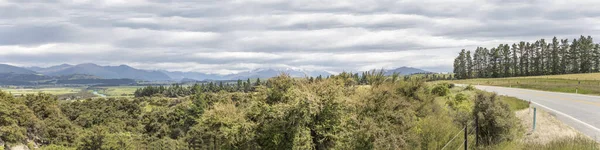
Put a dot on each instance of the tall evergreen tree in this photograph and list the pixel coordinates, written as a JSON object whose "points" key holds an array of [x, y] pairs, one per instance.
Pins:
{"points": [[565, 61], [574, 56], [469, 65], [515, 61], [506, 61], [554, 56]]}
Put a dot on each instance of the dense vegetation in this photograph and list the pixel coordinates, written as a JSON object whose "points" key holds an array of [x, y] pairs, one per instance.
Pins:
{"points": [[287, 113], [530, 59]]}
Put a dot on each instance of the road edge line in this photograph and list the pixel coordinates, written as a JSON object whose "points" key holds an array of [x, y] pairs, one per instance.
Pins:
{"points": [[570, 117]]}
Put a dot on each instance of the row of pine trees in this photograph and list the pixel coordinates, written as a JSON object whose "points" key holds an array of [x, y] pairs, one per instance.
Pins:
{"points": [[530, 59]]}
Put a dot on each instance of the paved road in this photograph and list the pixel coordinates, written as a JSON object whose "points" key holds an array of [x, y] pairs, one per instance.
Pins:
{"points": [[581, 112]]}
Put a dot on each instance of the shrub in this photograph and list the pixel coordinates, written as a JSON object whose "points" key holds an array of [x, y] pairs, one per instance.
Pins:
{"points": [[440, 90], [470, 87], [497, 123]]}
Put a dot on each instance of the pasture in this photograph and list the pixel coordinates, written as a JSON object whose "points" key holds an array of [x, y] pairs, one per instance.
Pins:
{"points": [[116, 91], [570, 83], [53, 91]]}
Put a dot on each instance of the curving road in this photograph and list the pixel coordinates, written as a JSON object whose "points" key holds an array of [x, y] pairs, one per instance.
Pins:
{"points": [[581, 112]]}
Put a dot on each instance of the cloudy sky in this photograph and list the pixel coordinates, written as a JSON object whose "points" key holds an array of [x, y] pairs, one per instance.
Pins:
{"points": [[229, 36]]}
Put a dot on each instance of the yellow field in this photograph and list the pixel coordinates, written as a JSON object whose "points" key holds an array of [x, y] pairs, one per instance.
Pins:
{"points": [[583, 76], [118, 91], [53, 91], [588, 83]]}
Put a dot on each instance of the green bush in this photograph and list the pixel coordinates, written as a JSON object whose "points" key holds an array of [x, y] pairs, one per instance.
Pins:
{"points": [[470, 87], [440, 90], [497, 123], [55, 147]]}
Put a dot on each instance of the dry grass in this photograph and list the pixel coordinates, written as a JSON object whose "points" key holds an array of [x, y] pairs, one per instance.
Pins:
{"points": [[53, 91], [570, 83], [548, 128], [582, 76]]}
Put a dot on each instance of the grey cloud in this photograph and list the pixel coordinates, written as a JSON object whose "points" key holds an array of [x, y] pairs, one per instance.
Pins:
{"points": [[237, 35], [36, 34]]}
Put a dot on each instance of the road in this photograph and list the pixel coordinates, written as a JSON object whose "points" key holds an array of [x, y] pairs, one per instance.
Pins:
{"points": [[581, 112]]}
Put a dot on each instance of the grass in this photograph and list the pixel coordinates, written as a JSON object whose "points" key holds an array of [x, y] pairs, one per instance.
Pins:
{"points": [[53, 91], [117, 91], [571, 83], [514, 103], [578, 143]]}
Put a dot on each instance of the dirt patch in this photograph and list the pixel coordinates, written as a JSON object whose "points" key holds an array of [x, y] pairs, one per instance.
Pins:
{"points": [[548, 128], [19, 147]]}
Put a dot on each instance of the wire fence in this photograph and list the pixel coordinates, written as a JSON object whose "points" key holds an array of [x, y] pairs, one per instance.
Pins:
{"points": [[549, 84], [467, 130]]}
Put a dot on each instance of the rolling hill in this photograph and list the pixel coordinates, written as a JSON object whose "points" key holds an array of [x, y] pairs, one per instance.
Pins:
{"points": [[4, 68], [272, 72], [107, 72], [405, 71]]}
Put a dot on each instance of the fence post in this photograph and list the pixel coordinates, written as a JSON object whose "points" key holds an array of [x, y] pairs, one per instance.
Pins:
{"points": [[476, 130], [534, 113], [466, 135]]}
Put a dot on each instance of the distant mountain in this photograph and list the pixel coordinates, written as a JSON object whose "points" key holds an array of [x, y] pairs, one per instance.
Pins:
{"points": [[178, 75], [111, 72], [50, 69], [14, 69], [39, 79], [405, 71], [271, 72], [184, 80]]}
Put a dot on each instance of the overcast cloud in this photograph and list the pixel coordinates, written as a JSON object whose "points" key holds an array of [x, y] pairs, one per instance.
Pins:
{"points": [[229, 36]]}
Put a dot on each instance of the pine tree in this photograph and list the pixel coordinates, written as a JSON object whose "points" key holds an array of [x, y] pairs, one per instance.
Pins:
{"points": [[257, 82], [555, 57], [574, 56], [522, 64], [469, 65], [515, 61], [506, 62], [565, 61], [596, 58], [585, 54]]}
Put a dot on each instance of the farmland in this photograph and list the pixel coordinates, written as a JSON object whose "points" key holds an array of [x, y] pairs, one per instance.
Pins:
{"points": [[53, 90], [116, 91], [570, 83]]}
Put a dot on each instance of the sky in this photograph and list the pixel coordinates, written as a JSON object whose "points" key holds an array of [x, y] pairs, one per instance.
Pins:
{"points": [[230, 36]]}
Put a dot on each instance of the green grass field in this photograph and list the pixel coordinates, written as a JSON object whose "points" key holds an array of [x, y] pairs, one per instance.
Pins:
{"points": [[117, 91], [581, 83], [53, 91]]}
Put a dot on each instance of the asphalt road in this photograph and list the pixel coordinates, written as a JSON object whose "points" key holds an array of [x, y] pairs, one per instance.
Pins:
{"points": [[581, 112]]}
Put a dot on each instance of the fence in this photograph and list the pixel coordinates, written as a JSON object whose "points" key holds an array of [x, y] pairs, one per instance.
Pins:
{"points": [[548, 84], [466, 131]]}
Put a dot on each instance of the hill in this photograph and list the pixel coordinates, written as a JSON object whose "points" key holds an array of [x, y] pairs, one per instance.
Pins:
{"points": [[179, 75], [110, 72], [4, 68], [39, 79], [272, 72], [50, 69], [405, 71]]}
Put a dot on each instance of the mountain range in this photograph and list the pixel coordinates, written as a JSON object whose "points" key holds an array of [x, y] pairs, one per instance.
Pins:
{"points": [[127, 72], [405, 71]]}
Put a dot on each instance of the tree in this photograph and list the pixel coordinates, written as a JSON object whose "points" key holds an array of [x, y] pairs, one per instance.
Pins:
{"points": [[506, 61], [258, 82], [555, 56], [565, 61], [469, 65], [574, 56], [515, 61]]}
